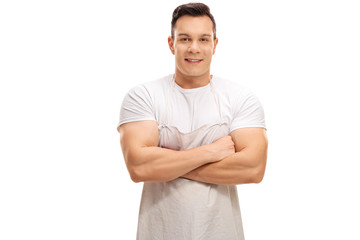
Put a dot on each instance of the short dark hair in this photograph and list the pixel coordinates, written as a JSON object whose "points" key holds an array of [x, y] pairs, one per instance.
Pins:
{"points": [[191, 9]]}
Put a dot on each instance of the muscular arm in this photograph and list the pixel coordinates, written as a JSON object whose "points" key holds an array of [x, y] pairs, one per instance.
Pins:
{"points": [[148, 163], [247, 165]]}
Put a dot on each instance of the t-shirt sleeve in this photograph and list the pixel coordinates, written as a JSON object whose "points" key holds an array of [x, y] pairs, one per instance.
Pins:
{"points": [[136, 106], [248, 112]]}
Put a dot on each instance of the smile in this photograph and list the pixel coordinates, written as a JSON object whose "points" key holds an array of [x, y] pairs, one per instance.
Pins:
{"points": [[193, 60]]}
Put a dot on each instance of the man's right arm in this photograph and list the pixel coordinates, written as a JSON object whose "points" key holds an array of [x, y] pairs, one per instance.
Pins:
{"points": [[146, 162]]}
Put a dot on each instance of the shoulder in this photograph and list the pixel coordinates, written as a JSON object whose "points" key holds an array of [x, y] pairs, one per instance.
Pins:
{"points": [[246, 109], [152, 87], [148, 93], [141, 102], [230, 88]]}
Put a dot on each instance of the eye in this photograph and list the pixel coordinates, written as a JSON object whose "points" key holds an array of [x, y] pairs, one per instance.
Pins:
{"points": [[203, 39], [185, 39]]}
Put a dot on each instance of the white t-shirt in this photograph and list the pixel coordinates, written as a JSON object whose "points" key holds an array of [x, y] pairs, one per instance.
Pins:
{"points": [[182, 208], [192, 108]]}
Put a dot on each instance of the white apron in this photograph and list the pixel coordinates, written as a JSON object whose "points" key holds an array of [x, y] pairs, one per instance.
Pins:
{"points": [[183, 209]]}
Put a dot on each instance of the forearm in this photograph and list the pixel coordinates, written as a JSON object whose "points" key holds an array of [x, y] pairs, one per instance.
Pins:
{"points": [[155, 164], [238, 168]]}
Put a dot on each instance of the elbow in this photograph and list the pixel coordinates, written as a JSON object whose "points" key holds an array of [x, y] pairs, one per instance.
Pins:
{"points": [[136, 174], [257, 175], [136, 171], [257, 178], [135, 178], [259, 171]]}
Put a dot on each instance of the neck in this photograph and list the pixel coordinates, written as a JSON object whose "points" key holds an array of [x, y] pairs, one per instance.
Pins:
{"points": [[188, 82]]}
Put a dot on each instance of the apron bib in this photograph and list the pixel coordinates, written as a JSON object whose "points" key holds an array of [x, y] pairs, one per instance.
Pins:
{"points": [[184, 209]]}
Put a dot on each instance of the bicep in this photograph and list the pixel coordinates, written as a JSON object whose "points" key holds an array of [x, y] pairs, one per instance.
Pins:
{"points": [[136, 135], [252, 141]]}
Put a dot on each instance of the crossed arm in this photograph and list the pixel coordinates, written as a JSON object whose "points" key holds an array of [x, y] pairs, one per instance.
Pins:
{"points": [[236, 159]]}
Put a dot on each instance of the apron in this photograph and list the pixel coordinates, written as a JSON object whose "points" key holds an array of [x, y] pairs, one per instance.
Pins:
{"points": [[184, 209]]}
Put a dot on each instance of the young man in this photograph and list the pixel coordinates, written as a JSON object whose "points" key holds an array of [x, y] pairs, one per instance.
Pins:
{"points": [[191, 137]]}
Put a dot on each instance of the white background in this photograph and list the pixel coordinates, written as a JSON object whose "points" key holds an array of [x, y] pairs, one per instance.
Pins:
{"points": [[66, 65]]}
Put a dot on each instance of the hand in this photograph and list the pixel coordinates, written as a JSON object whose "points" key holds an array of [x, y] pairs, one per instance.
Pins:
{"points": [[222, 148]]}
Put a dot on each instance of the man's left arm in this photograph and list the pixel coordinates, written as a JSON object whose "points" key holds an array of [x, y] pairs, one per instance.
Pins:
{"points": [[246, 165]]}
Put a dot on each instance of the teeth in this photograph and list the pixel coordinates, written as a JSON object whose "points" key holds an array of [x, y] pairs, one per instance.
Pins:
{"points": [[192, 60]]}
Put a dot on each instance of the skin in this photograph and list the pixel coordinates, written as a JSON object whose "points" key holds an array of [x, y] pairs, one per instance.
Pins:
{"points": [[235, 159]]}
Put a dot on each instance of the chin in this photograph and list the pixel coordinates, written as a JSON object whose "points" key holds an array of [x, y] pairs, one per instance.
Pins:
{"points": [[195, 74]]}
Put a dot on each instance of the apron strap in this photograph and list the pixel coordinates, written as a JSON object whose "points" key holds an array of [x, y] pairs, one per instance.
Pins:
{"points": [[216, 96]]}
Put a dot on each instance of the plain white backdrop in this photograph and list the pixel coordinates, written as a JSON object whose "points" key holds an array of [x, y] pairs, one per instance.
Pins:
{"points": [[66, 65]]}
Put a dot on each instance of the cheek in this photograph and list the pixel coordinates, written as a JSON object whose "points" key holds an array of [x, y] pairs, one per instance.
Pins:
{"points": [[180, 52], [181, 48], [211, 49], [207, 49]]}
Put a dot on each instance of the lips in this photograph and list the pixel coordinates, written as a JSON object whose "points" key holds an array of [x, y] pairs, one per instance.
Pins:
{"points": [[193, 60]]}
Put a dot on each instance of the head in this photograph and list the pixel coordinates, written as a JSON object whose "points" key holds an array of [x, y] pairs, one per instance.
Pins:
{"points": [[193, 40]]}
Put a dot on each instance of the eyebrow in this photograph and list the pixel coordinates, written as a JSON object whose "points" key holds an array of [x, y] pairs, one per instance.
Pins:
{"points": [[187, 35]]}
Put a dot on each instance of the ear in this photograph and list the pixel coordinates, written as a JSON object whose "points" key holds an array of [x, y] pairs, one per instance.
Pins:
{"points": [[215, 44], [171, 45]]}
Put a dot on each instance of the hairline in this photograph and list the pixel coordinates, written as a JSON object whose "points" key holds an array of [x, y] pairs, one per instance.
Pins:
{"points": [[205, 15]]}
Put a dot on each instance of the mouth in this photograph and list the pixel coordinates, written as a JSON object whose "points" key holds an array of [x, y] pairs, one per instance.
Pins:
{"points": [[193, 60]]}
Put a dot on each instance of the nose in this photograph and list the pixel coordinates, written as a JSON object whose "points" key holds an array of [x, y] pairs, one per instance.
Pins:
{"points": [[194, 47]]}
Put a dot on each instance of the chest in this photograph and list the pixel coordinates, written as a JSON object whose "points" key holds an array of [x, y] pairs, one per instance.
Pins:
{"points": [[189, 112]]}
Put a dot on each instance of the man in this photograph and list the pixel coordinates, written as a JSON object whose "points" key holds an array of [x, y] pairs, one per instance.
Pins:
{"points": [[191, 138]]}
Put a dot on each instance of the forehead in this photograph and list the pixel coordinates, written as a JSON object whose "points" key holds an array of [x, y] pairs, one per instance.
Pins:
{"points": [[194, 25]]}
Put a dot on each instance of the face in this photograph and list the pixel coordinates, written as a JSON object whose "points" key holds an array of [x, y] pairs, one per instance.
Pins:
{"points": [[193, 46]]}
